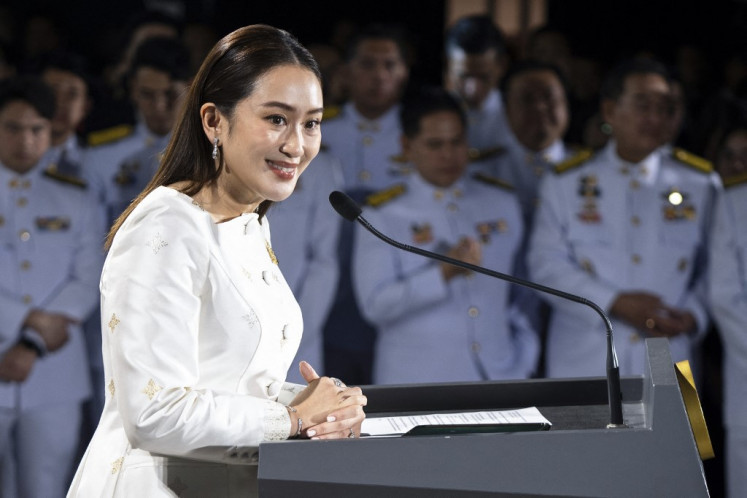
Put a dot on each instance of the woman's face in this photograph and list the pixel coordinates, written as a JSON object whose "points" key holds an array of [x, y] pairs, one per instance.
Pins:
{"points": [[272, 136]]}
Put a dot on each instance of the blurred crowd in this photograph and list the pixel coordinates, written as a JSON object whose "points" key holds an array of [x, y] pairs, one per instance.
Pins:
{"points": [[617, 180]]}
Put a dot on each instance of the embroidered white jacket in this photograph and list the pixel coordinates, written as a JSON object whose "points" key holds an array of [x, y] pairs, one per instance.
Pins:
{"points": [[199, 329]]}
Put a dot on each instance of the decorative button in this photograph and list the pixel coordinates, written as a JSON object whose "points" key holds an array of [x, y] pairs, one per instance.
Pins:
{"points": [[27, 299], [26, 184], [634, 338], [14, 183], [364, 176], [636, 259], [367, 140], [452, 207], [24, 235], [473, 311], [476, 347], [22, 201], [25, 265], [635, 220], [634, 184]]}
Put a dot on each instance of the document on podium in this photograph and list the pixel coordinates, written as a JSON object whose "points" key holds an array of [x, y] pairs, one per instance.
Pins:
{"points": [[524, 419]]}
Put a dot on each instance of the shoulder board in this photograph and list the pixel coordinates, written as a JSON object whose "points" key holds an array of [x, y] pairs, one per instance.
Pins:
{"points": [[493, 181], [480, 154], [575, 161], [735, 180], [383, 196], [331, 112], [109, 135], [696, 162], [63, 178]]}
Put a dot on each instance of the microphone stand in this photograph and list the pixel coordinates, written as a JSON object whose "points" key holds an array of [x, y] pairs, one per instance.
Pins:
{"points": [[350, 211]]}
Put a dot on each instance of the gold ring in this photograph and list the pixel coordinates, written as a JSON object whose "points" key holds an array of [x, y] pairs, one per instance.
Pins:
{"points": [[650, 323]]}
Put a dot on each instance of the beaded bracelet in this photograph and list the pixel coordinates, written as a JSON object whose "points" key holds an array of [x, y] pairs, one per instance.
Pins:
{"points": [[300, 422]]}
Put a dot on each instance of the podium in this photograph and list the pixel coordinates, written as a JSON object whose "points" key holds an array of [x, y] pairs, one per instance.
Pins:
{"points": [[655, 455]]}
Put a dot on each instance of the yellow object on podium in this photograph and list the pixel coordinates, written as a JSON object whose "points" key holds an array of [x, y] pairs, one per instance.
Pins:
{"points": [[694, 409]]}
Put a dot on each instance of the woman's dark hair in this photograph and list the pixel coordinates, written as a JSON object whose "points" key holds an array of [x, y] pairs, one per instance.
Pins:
{"points": [[227, 76]]}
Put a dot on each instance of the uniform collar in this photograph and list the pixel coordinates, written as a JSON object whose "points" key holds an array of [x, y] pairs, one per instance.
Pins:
{"points": [[455, 191], [645, 171], [552, 154], [492, 102], [7, 175], [387, 121]]}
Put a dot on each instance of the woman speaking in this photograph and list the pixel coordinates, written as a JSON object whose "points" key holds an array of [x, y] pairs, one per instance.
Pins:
{"points": [[199, 326]]}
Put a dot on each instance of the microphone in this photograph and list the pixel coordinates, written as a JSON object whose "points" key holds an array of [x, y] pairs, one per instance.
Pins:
{"points": [[348, 209]]}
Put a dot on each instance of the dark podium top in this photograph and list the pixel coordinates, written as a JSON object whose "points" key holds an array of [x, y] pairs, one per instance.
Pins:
{"points": [[655, 455]]}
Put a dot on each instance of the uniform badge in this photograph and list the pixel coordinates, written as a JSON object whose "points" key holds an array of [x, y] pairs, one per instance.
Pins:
{"points": [[422, 234], [126, 174], [677, 206], [485, 229], [589, 191], [52, 223]]}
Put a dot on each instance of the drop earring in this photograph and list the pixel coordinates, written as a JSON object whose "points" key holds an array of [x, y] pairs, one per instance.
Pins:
{"points": [[215, 148]]}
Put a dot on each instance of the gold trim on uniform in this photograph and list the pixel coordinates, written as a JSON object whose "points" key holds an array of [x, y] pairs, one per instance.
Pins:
{"points": [[735, 180], [117, 465], [383, 196], [491, 180], [111, 387], [108, 135], [270, 252], [575, 161], [696, 162], [52, 223], [480, 154]]}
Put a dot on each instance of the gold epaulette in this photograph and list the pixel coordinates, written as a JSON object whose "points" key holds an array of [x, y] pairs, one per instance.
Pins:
{"points": [[331, 112], [480, 154], [696, 162], [383, 196], [61, 177], [108, 135], [493, 181], [735, 180], [574, 161]]}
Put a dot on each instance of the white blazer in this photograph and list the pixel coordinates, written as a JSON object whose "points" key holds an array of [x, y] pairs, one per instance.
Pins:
{"points": [[199, 328]]}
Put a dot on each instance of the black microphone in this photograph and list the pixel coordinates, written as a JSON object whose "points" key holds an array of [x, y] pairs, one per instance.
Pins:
{"points": [[348, 209]]}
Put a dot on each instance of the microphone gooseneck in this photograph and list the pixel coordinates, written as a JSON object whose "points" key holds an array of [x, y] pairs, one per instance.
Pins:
{"points": [[348, 209]]}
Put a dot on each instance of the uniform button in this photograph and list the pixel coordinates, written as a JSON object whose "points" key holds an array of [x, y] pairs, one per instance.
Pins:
{"points": [[634, 338], [636, 259], [438, 195], [364, 176], [2, 221], [14, 183], [26, 184], [25, 265], [22, 201], [682, 264], [476, 347], [473, 311], [452, 207], [458, 193], [367, 140], [634, 184], [26, 299], [24, 235], [635, 220]]}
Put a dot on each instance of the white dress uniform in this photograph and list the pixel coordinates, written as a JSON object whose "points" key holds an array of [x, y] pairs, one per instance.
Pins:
{"points": [[728, 298], [368, 150], [488, 131], [66, 159], [199, 329], [50, 259], [305, 232], [431, 330], [523, 169], [135, 172], [103, 164], [605, 226]]}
